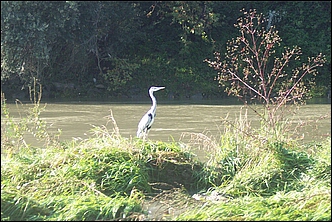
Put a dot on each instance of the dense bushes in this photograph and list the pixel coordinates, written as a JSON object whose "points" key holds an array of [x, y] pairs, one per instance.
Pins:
{"points": [[128, 46]]}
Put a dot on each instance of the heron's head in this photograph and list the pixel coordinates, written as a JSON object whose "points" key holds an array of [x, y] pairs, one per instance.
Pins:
{"points": [[156, 88]]}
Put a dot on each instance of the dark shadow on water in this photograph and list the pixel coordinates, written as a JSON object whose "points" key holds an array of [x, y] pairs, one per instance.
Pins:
{"points": [[319, 101], [160, 99]]}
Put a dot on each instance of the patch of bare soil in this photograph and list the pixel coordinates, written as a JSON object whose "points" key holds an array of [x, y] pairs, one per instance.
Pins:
{"points": [[176, 173], [173, 184], [168, 204]]}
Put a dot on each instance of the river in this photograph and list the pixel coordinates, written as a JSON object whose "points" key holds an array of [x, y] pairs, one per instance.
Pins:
{"points": [[173, 119]]}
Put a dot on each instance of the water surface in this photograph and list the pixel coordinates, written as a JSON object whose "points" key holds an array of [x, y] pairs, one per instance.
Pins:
{"points": [[76, 119]]}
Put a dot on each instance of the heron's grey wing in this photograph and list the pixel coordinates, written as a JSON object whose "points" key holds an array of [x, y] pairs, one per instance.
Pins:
{"points": [[151, 119], [145, 123]]}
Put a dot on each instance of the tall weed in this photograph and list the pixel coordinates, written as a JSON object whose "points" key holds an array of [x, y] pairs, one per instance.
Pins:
{"points": [[13, 131]]}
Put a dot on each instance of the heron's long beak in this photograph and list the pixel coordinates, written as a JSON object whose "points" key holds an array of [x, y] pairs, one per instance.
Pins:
{"points": [[160, 87]]}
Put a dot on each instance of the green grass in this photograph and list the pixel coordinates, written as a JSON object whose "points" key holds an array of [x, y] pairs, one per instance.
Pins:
{"points": [[108, 177], [268, 181], [313, 205], [72, 183]]}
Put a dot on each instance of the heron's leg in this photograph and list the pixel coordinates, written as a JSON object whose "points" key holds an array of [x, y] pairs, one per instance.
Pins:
{"points": [[145, 135]]}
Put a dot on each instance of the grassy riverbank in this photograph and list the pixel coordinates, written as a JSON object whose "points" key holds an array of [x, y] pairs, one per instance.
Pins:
{"points": [[109, 177]]}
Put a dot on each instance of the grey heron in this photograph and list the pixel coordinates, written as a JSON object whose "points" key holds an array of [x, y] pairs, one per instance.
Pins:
{"points": [[145, 124]]}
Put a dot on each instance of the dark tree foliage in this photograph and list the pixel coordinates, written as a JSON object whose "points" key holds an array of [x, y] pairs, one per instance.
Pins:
{"points": [[113, 48], [64, 45], [31, 32]]}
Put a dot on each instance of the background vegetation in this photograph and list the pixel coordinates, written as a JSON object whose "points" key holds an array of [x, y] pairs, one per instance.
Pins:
{"points": [[128, 46]]}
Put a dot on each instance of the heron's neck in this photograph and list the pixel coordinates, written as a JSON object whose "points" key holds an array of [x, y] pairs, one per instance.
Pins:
{"points": [[154, 102]]}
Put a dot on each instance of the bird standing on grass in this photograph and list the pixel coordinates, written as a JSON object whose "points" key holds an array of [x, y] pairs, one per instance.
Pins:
{"points": [[147, 120]]}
